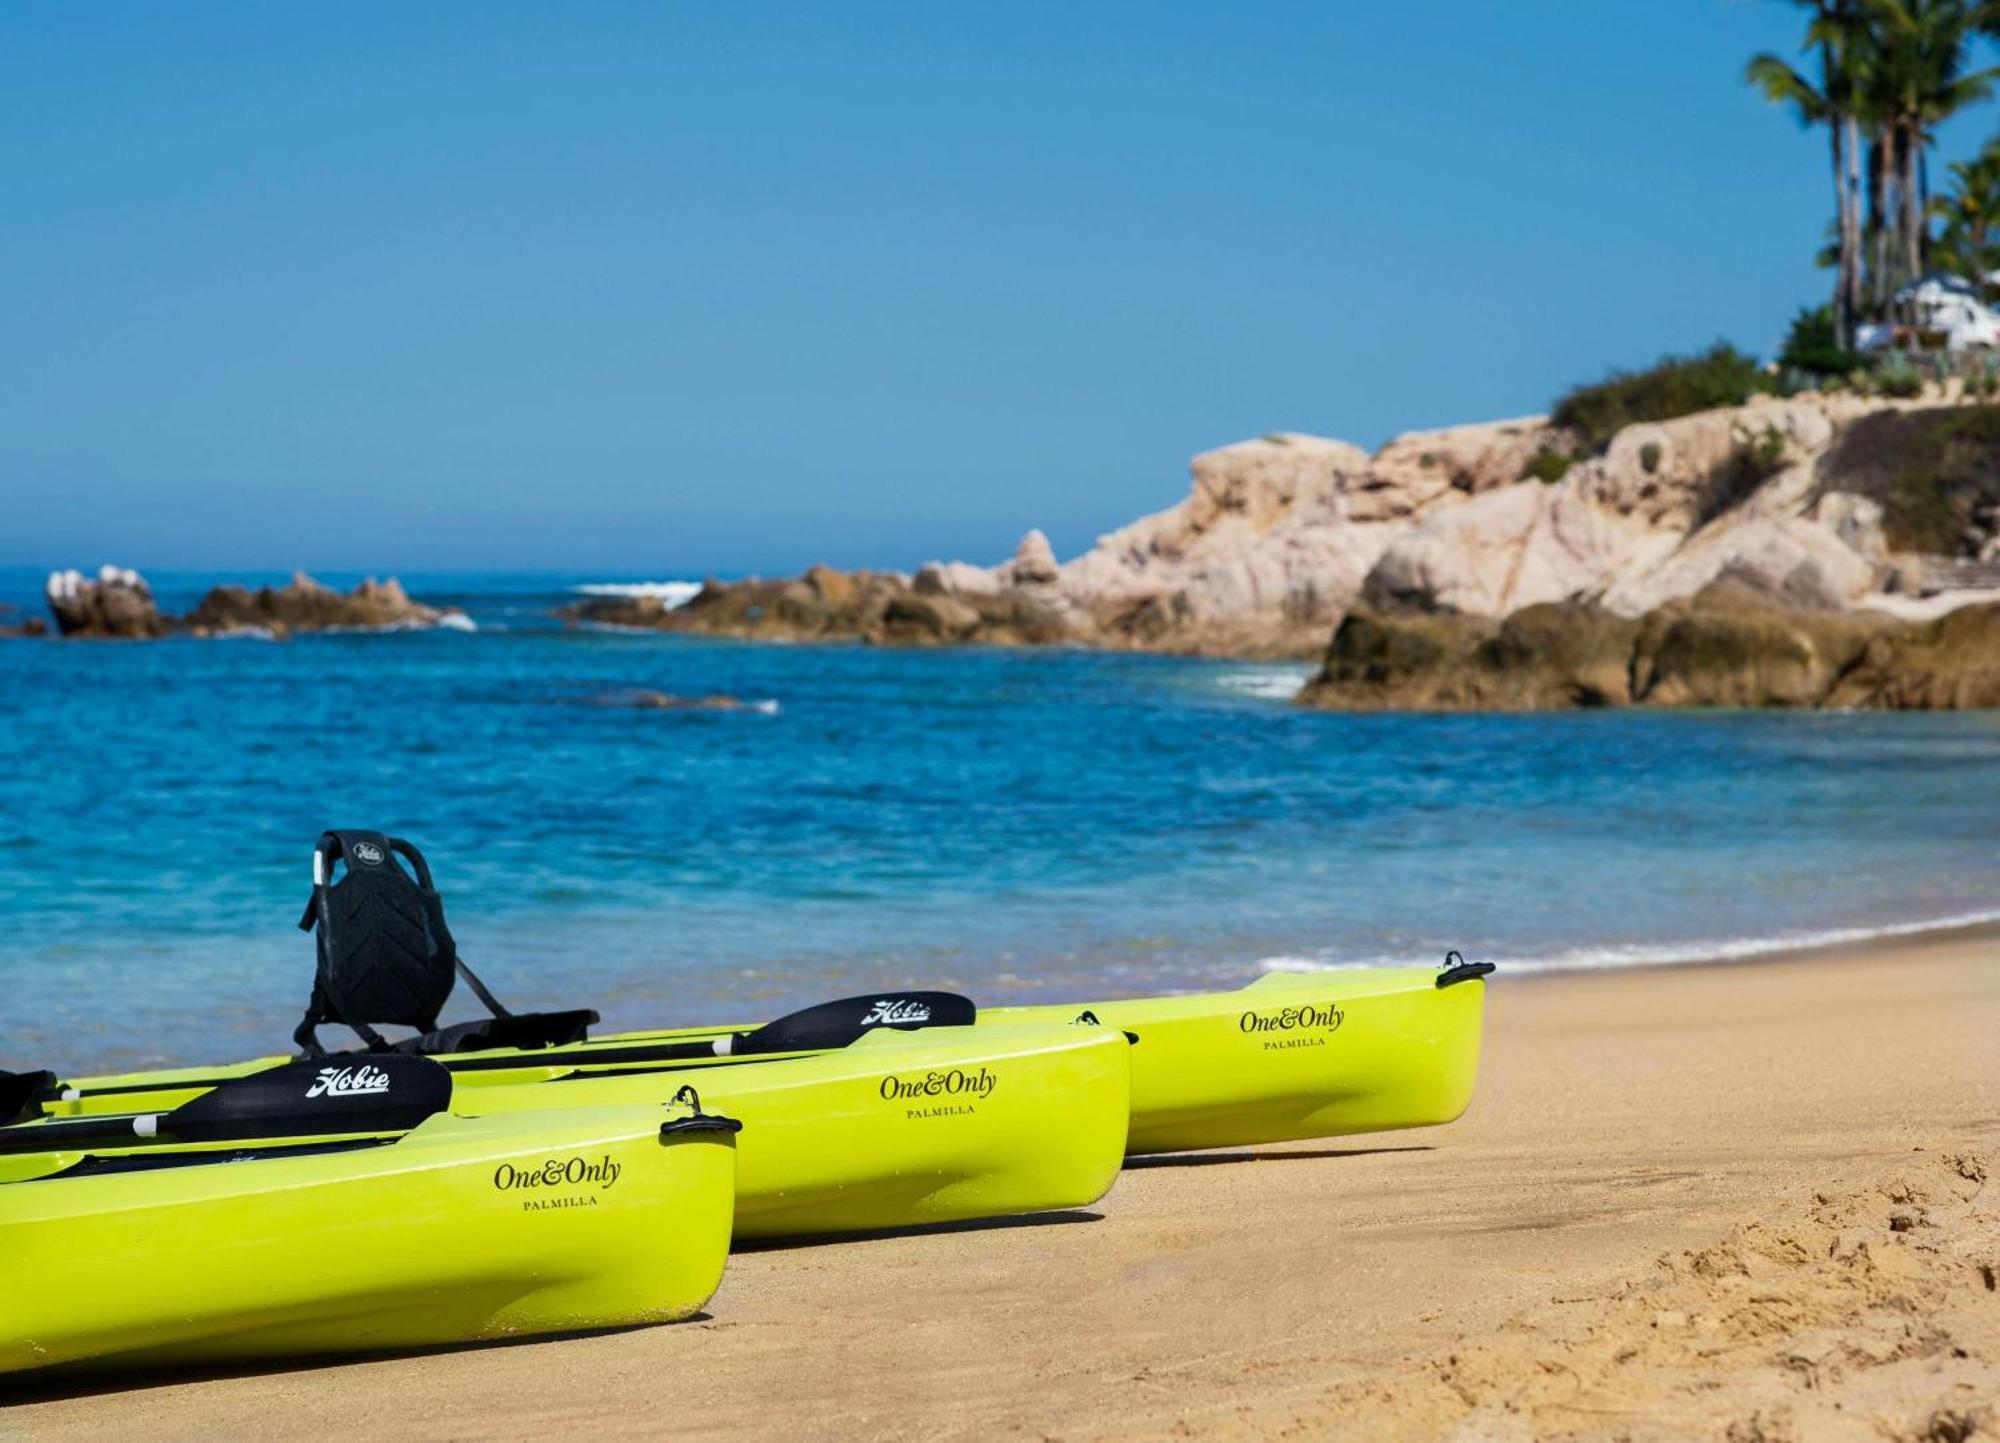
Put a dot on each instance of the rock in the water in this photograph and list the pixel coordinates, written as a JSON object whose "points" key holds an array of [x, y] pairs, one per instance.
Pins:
{"points": [[1735, 643], [1544, 657], [305, 605], [1279, 537], [645, 698], [26, 626], [118, 603], [824, 604], [1950, 663]]}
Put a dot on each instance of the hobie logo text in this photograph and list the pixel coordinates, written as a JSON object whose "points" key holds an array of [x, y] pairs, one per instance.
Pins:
{"points": [[946, 1082], [896, 1014], [1292, 1019], [348, 1081]]}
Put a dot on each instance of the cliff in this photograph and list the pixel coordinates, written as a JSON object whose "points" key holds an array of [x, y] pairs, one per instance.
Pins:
{"points": [[1822, 503]]}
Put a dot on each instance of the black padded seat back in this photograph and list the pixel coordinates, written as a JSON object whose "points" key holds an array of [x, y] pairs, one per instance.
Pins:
{"points": [[386, 958]]}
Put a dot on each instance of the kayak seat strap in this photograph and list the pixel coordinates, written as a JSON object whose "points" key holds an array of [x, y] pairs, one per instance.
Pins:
{"points": [[385, 957]]}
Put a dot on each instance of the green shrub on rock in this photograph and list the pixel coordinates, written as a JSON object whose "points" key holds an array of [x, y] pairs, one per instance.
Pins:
{"points": [[1547, 465], [1677, 386], [1810, 347], [1898, 378]]}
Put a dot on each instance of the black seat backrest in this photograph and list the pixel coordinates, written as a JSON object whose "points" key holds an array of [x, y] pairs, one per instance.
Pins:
{"points": [[386, 958]]}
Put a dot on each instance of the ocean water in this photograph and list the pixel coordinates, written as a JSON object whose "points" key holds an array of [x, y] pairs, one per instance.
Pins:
{"points": [[1020, 825]]}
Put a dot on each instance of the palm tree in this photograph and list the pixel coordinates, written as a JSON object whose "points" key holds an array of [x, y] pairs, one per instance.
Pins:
{"points": [[1917, 79], [1971, 214], [1838, 33], [1891, 71]]}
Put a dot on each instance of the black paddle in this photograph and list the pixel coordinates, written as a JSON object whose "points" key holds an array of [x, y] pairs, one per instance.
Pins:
{"points": [[376, 1092], [824, 1028]]}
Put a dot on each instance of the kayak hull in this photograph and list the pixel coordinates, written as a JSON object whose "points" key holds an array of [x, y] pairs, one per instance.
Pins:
{"points": [[1290, 1056], [463, 1230], [897, 1130], [900, 1129], [1293, 1056]]}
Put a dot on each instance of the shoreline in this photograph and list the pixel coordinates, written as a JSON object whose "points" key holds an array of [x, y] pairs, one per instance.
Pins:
{"points": [[1387, 1286]]}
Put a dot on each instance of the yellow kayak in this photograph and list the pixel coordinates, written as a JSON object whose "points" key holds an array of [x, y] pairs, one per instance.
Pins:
{"points": [[896, 1129], [1294, 1055], [456, 1230], [1289, 1056]]}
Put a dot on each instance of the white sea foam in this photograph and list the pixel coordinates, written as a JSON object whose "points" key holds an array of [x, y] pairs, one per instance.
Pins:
{"points": [[673, 593], [1658, 954], [1272, 683]]}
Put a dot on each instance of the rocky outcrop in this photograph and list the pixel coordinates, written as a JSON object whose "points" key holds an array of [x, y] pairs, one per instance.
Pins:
{"points": [[1733, 644], [1281, 538], [10, 626], [1261, 559], [305, 605], [119, 603], [826, 605], [645, 698]]}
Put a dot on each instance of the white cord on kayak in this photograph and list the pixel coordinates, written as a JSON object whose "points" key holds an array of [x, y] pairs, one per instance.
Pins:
{"points": [[147, 1126], [70, 1094], [723, 1044]]}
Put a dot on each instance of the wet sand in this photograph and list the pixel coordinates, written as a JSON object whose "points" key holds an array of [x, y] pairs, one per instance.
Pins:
{"points": [[1685, 1201]]}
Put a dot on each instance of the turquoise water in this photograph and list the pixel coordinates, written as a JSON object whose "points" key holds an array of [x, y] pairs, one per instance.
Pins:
{"points": [[1021, 825]]}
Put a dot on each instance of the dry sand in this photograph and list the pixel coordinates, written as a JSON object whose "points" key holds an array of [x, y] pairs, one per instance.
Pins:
{"points": [[1737, 1202]]}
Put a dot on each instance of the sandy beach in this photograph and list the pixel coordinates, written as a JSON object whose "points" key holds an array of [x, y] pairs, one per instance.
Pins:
{"points": [[1738, 1201]]}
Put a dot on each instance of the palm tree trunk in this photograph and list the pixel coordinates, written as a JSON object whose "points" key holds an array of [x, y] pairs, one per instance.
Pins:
{"points": [[1923, 205], [1907, 149], [1840, 227], [1878, 223], [1850, 227]]}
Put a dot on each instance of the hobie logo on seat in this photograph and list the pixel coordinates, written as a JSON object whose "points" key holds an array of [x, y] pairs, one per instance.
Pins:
{"points": [[348, 1081], [886, 1013], [368, 852]]}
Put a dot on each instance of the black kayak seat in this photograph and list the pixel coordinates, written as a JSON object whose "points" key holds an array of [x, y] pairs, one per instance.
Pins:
{"points": [[22, 1095], [384, 957]]}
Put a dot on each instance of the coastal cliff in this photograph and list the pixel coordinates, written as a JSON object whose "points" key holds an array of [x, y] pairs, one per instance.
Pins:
{"points": [[1862, 518]]}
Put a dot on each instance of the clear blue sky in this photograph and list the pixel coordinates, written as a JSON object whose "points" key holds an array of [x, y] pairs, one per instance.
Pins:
{"points": [[665, 288]]}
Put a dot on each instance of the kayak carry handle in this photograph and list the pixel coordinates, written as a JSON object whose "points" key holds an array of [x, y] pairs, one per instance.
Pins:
{"points": [[697, 1121], [1457, 969], [1087, 1018]]}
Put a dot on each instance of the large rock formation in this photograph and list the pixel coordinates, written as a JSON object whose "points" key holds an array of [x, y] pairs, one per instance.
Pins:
{"points": [[119, 603], [305, 605], [1817, 504], [827, 605], [1735, 643]]}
